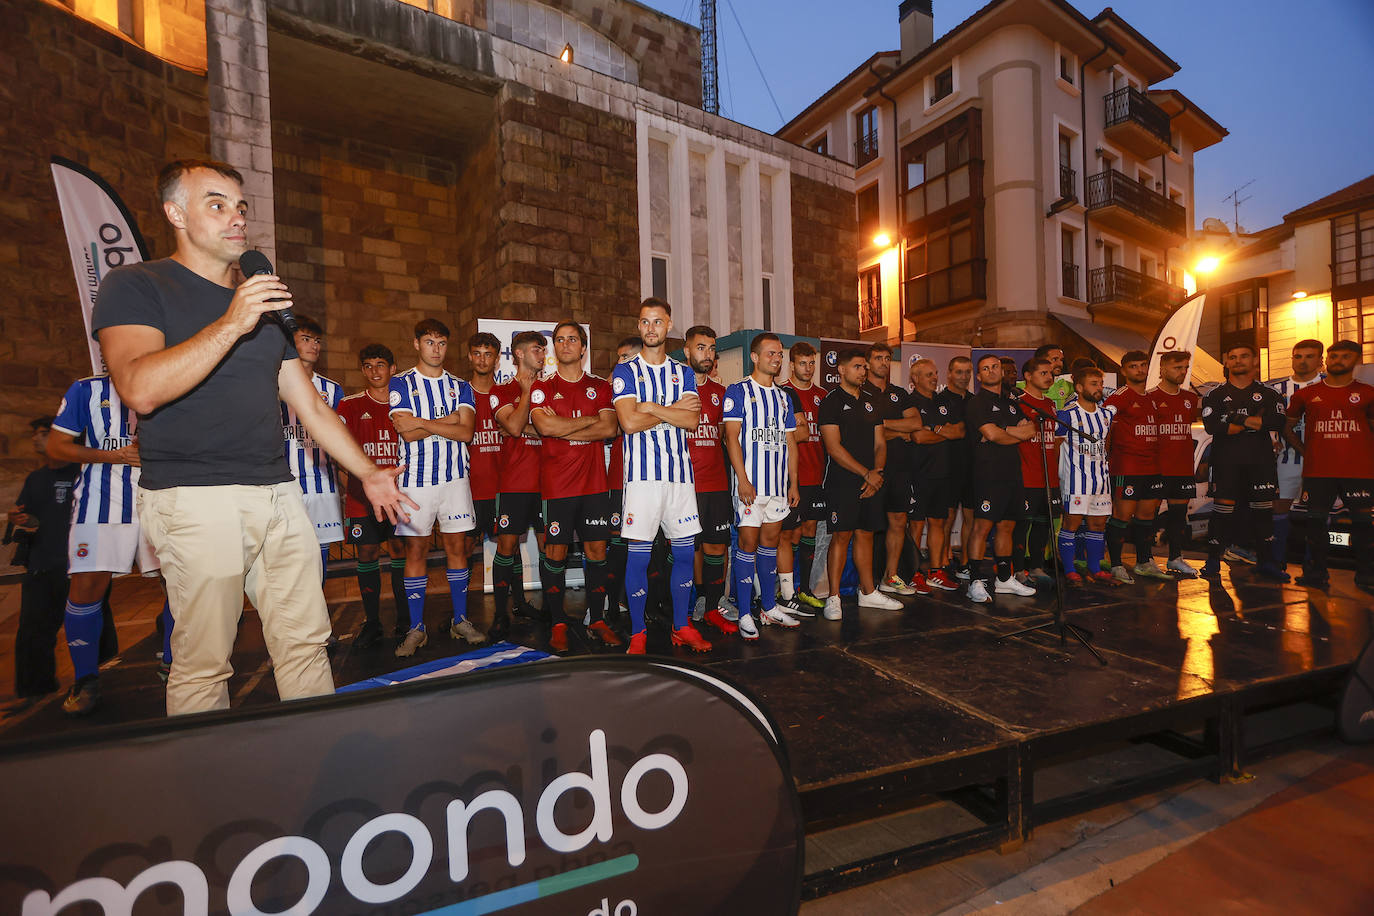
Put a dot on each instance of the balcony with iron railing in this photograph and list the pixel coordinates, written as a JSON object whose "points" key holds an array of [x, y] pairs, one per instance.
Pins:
{"points": [[865, 149], [1068, 279], [1068, 183], [1120, 203], [1135, 123], [870, 313], [1120, 289]]}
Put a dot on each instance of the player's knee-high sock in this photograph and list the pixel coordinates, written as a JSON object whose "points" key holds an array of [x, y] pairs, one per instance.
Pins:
{"points": [[1218, 531], [745, 566], [1094, 546], [806, 559], [168, 624], [1262, 519], [1143, 536], [1037, 539], [458, 592], [616, 553], [517, 580], [680, 579], [553, 575], [1116, 539], [1281, 529], [83, 624], [713, 574], [416, 586], [637, 558], [595, 572], [1176, 528], [502, 570], [370, 588], [398, 590], [324, 562], [766, 566], [1004, 568], [1020, 552], [1068, 547]]}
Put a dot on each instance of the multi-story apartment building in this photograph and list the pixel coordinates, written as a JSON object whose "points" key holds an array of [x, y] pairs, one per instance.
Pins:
{"points": [[1020, 168], [1311, 276]]}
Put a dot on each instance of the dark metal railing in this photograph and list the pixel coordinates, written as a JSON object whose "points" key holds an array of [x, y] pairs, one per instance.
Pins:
{"points": [[870, 313], [866, 148], [1113, 189], [1069, 278], [1121, 284], [1068, 183], [1130, 104]]}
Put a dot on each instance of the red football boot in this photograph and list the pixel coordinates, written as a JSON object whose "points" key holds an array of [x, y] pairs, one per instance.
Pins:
{"points": [[637, 642], [688, 636], [604, 632], [716, 619]]}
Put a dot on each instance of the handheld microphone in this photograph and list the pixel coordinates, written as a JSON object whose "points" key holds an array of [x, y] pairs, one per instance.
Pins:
{"points": [[254, 263]]}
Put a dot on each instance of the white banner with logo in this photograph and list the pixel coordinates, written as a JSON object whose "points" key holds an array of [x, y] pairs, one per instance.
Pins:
{"points": [[1179, 333], [101, 235]]}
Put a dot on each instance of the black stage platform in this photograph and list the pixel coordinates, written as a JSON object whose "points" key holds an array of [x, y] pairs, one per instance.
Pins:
{"points": [[890, 710]]}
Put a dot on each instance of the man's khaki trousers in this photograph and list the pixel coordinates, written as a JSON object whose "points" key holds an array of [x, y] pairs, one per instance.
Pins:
{"points": [[217, 544]]}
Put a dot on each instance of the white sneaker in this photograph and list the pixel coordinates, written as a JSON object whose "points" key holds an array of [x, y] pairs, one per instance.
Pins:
{"points": [[1013, 586], [978, 592], [894, 585], [833, 611], [1119, 574], [1150, 570], [1180, 566], [777, 616], [876, 599], [747, 628]]}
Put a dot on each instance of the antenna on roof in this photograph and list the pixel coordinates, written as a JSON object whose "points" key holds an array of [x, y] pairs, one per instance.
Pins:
{"points": [[710, 84], [1237, 200]]}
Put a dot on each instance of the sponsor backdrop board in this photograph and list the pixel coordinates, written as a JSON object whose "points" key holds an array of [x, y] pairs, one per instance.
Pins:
{"points": [[557, 788], [940, 353]]}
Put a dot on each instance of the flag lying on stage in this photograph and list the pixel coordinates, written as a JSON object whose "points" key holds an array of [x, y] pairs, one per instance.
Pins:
{"points": [[499, 655], [101, 235]]}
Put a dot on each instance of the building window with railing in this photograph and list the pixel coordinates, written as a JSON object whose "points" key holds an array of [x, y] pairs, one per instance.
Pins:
{"points": [[868, 213], [1068, 178], [1068, 266], [946, 266], [870, 298], [866, 136], [942, 170]]}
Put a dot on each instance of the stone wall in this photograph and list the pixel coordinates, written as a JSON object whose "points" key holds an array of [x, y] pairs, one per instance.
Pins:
{"points": [[824, 258], [78, 91]]}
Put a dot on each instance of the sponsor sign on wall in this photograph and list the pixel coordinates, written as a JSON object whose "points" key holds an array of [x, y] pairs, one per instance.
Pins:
{"points": [[608, 785]]}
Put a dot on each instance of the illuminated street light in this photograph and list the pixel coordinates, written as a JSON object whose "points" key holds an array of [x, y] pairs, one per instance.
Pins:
{"points": [[882, 240], [1299, 294], [1207, 265], [567, 55]]}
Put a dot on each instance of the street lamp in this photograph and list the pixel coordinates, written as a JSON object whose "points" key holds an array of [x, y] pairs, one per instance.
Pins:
{"points": [[1207, 265], [882, 240]]}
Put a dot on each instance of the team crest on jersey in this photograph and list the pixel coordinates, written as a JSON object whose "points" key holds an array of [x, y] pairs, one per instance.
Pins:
{"points": [[537, 396], [893, 396], [987, 505], [834, 516], [715, 399], [591, 393], [83, 551], [1256, 396], [554, 528], [1206, 411], [615, 518], [618, 384], [1355, 398], [868, 406], [729, 403], [1129, 491], [355, 532], [324, 396], [395, 399], [504, 522], [492, 400], [944, 410]]}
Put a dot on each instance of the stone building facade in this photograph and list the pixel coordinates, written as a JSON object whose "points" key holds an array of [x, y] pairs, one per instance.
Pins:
{"points": [[413, 159]]}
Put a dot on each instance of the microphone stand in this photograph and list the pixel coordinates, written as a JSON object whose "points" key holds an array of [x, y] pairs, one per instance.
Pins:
{"points": [[1058, 622]]}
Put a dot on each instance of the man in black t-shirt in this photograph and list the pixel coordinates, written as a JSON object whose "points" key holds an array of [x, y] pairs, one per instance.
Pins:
{"points": [[856, 453], [1240, 415], [892, 403], [997, 427], [933, 494], [205, 367], [958, 376], [39, 522]]}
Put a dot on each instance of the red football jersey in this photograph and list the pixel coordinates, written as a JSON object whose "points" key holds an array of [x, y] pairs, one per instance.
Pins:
{"points": [[571, 468], [519, 454], [1134, 450], [1032, 471], [708, 455], [370, 423], [1175, 414], [810, 449], [484, 453], [1338, 436]]}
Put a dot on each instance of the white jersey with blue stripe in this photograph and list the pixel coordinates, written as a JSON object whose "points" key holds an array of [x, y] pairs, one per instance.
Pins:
{"points": [[766, 415], [1083, 463], [659, 453], [94, 415], [310, 465], [434, 459], [1287, 387]]}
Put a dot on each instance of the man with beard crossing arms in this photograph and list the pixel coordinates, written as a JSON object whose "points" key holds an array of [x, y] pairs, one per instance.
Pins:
{"points": [[656, 403], [1176, 408], [192, 355], [1038, 454], [892, 403], [1307, 370], [712, 480], [810, 473], [1084, 479], [1134, 457]]}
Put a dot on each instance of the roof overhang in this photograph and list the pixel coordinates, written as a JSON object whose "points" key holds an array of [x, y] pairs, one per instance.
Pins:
{"points": [[1191, 120], [1140, 54], [800, 128]]}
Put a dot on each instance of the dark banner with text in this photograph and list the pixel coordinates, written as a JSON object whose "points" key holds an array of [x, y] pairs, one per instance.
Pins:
{"points": [[586, 786]]}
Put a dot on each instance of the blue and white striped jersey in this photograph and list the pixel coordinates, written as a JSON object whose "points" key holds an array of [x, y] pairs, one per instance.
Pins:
{"points": [[1286, 387], [93, 413], [766, 414], [310, 465], [434, 459], [1083, 464], [659, 452]]}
